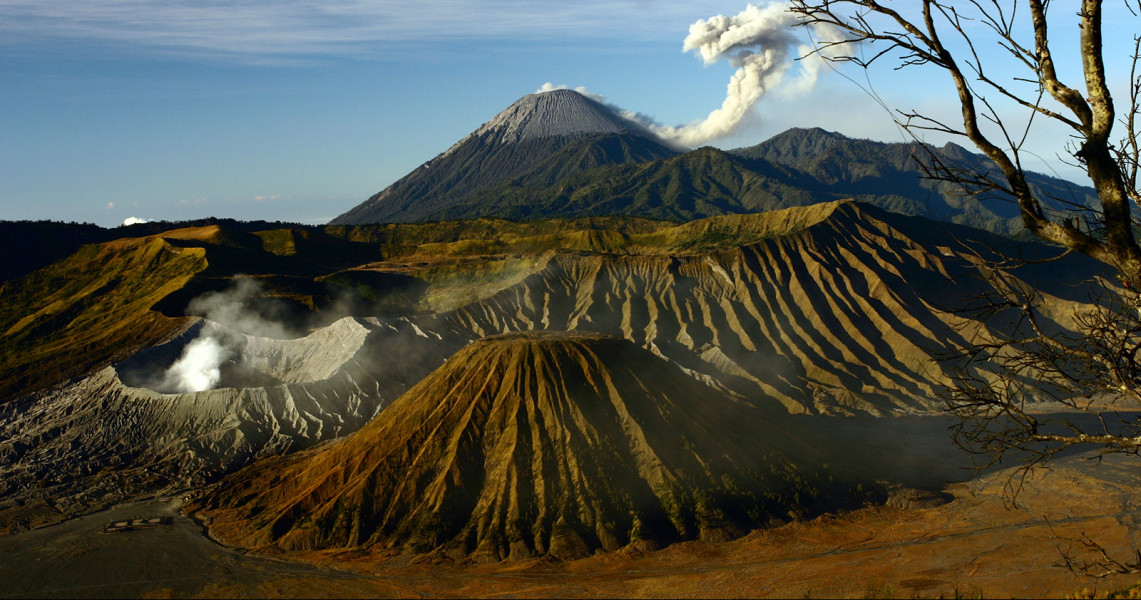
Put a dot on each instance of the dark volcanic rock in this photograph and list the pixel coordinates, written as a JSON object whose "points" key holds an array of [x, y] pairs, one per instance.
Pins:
{"points": [[561, 154], [325, 385]]}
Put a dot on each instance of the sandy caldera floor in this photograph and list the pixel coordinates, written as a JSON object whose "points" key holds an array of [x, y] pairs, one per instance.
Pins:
{"points": [[974, 545]]}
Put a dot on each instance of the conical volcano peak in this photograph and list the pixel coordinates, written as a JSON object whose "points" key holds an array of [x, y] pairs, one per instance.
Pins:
{"points": [[531, 444], [539, 139], [558, 113]]}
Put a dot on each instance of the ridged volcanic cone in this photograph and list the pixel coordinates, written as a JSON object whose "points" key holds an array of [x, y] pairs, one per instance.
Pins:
{"points": [[530, 444]]}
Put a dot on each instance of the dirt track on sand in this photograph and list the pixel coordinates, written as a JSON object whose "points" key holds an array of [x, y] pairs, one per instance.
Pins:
{"points": [[75, 559]]}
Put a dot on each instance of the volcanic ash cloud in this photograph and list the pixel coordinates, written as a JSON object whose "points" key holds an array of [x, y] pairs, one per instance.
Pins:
{"points": [[760, 42]]}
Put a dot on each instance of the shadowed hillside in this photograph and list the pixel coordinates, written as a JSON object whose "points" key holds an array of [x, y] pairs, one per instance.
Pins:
{"points": [[109, 300], [537, 141], [795, 168], [88, 309], [533, 444]]}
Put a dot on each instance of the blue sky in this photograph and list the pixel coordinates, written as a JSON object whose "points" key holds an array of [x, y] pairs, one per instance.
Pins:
{"points": [[299, 110]]}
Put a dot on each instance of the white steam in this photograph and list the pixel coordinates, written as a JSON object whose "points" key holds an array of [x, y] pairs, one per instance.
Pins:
{"points": [[199, 368], [763, 45], [201, 364], [230, 308]]}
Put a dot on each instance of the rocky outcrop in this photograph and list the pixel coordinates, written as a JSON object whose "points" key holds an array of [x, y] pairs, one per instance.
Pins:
{"points": [[557, 113]]}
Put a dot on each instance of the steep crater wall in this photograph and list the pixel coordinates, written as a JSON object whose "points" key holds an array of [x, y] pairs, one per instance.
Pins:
{"points": [[244, 361], [533, 444]]}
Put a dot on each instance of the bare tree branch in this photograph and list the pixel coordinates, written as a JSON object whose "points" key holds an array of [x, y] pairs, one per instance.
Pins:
{"points": [[1018, 356], [919, 41]]}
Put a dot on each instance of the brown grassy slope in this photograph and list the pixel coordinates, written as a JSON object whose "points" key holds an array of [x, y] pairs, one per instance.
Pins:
{"points": [[108, 300], [88, 309], [610, 235], [832, 307], [531, 444], [411, 235]]}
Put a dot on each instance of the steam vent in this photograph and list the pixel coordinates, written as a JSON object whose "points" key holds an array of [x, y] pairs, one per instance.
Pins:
{"points": [[526, 445], [210, 356]]}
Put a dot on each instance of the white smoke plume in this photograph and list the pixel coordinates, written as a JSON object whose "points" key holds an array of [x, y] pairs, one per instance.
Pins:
{"points": [[201, 364], [763, 45], [199, 368], [230, 308]]}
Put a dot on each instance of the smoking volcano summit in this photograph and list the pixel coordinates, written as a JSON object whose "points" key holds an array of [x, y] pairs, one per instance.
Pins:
{"points": [[538, 140]]}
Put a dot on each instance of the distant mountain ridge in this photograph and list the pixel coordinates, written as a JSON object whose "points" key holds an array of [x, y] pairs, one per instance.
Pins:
{"points": [[799, 167], [561, 154], [889, 175]]}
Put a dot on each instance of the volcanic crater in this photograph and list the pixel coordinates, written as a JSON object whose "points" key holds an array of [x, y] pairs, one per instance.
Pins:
{"points": [[240, 360]]}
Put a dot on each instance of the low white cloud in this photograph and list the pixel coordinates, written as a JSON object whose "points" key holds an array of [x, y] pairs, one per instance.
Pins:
{"points": [[258, 29], [550, 87], [263, 198], [134, 221]]}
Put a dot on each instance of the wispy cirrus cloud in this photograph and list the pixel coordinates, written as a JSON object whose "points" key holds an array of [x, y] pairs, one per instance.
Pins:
{"points": [[259, 29]]}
